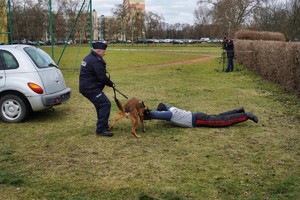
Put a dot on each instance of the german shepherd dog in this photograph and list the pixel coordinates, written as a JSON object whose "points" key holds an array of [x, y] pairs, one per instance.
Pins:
{"points": [[134, 110]]}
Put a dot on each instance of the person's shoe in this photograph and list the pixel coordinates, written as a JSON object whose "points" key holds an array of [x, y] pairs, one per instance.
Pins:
{"points": [[241, 110], [104, 133], [161, 107], [253, 117]]}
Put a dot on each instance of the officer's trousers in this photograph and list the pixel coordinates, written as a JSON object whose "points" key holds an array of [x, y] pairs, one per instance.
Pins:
{"points": [[103, 106]]}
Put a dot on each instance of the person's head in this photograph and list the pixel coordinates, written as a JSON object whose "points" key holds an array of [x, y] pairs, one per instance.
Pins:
{"points": [[99, 48], [228, 39]]}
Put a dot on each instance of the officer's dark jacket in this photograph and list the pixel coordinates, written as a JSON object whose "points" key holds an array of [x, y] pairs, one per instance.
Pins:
{"points": [[92, 78], [230, 49]]}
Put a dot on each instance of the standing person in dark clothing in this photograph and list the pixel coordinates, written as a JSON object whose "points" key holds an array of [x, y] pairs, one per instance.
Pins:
{"points": [[190, 119], [230, 54], [92, 80]]}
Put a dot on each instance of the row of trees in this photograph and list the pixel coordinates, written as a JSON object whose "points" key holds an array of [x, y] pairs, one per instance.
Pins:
{"points": [[260, 15], [213, 18]]}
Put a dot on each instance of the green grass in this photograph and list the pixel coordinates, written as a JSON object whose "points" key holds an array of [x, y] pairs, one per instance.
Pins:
{"points": [[55, 154]]}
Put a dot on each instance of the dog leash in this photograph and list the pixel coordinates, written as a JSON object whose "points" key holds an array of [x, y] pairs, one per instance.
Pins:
{"points": [[115, 89]]}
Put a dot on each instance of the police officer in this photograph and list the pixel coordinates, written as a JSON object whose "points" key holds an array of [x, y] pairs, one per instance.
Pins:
{"points": [[92, 80]]}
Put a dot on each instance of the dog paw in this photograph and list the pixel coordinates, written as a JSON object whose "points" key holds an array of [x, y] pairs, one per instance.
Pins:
{"points": [[135, 135]]}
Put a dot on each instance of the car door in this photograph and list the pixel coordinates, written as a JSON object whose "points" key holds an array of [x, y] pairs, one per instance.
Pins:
{"points": [[2, 71]]}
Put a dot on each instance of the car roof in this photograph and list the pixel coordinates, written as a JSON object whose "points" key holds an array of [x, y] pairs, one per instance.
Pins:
{"points": [[15, 46]]}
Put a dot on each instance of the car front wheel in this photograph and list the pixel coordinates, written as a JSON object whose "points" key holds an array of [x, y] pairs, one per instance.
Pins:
{"points": [[13, 109]]}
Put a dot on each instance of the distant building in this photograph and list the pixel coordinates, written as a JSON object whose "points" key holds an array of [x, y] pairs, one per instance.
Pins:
{"points": [[99, 23], [138, 5], [84, 22], [134, 12], [95, 25]]}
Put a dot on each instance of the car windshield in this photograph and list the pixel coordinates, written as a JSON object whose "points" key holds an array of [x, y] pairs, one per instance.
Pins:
{"points": [[40, 57]]}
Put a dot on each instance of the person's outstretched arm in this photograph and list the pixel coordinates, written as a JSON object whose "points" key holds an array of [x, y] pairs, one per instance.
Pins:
{"points": [[162, 115]]}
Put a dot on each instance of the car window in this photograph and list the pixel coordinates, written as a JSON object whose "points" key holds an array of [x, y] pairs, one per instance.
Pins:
{"points": [[39, 57], [8, 61]]}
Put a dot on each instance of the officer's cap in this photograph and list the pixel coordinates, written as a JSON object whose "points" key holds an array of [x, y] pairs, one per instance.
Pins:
{"points": [[99, 45]]}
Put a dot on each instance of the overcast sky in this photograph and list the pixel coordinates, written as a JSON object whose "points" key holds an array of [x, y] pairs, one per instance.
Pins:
{"points": [[173, 11]]}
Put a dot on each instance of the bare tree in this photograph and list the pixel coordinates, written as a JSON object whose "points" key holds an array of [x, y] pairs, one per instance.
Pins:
{"points": [[279, 16], [202, 15], [27, 19], [71, 11], [37, 18], [214, 19], [119, 13], [138, 26], [153, 25], [294, 20], [112, 29], [231, 14], [4, 23]]}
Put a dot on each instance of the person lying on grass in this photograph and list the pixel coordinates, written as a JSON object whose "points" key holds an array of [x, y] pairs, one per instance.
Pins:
{"points": [[190, 119]]}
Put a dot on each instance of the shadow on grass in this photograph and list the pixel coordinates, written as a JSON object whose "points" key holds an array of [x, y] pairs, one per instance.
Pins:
{"points": [[8, 178], [47, 115], [8, 174]]}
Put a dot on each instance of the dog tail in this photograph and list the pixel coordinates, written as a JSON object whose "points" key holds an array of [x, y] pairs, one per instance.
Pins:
{"points": [[119, 104]]}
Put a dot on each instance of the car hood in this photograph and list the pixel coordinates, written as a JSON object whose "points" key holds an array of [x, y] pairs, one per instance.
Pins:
{"points": [[53, 80]]}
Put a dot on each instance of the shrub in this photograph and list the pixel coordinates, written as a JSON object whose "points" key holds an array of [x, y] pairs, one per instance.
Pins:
{"points": [[259, 35], [275, 61]]}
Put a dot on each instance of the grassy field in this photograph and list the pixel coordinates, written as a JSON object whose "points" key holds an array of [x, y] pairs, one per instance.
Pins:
{"points": [[55, 154]]}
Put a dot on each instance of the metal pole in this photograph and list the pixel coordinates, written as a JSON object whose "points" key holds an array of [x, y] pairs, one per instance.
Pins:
{"points": [[51, 29], [10, 22], [101, 23], [91, 23], [73, 27]]}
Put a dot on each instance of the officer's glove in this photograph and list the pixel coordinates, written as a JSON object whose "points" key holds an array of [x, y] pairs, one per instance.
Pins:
{"points": [[112, 85]]}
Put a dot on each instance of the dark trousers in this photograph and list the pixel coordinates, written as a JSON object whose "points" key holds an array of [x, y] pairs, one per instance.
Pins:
{"points": [[221, 120], [230, 64], [102, 105]]}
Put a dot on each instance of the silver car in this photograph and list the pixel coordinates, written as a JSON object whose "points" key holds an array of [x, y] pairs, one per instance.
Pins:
{"points": [[29, 81]]}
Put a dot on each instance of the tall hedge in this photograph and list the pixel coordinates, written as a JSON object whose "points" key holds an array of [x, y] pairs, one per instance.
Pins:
{"points": [[274, 60], [259, 35]]}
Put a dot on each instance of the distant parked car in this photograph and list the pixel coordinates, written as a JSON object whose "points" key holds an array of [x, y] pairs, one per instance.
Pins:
{"points": [[29, 81], [41, 43], [204, 40], [60, 43], [177, 42], [48, 42], [16, 42]]}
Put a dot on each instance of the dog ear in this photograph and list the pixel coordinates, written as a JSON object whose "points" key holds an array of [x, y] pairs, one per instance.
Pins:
{"points": [[143, 104]]}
